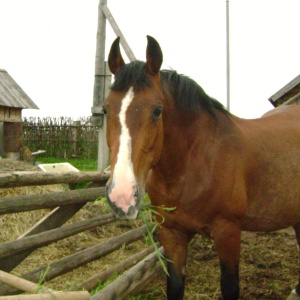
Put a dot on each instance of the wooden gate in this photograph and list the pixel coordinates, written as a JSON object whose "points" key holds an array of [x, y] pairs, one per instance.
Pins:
{"points": [[64, 205]]}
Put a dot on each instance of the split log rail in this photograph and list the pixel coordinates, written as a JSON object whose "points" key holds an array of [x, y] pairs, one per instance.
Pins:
{"points": [[49, 229]]}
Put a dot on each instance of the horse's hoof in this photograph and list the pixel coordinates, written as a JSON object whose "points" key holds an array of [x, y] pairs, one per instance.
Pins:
{"points": [[293, 296]]}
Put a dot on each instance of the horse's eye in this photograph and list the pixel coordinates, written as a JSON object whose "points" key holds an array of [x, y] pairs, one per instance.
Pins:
{"points": [[157, 112]]}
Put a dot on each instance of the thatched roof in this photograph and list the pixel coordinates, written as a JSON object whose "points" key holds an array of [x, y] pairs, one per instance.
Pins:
{"points": [[12, 95]]}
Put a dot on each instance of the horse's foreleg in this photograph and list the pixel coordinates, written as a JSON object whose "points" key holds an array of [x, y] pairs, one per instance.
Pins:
{"points": [[227, 236], [175, 247]]}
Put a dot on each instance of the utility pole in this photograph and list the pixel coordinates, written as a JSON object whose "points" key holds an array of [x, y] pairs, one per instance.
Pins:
{"points": [[227, 56]]}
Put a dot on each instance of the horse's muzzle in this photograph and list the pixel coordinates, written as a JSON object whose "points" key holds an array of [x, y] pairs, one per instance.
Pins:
{"points": [[124, 204]]}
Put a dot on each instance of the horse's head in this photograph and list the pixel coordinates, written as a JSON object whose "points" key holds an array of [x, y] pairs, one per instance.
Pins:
{"points": [[134, 127]]}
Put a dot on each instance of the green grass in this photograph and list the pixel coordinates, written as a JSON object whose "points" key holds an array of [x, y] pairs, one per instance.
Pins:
{"points": [[80, 163]]}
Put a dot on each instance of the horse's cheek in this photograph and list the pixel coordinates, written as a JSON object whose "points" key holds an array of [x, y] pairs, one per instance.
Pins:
{"points": [[157, 146]]}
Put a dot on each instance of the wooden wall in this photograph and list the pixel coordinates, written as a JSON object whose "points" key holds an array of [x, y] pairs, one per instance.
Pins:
{"points": [[10, 114]]}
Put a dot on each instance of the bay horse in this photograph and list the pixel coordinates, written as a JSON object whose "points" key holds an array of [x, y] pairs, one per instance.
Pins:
{"points": [[221, 173]]}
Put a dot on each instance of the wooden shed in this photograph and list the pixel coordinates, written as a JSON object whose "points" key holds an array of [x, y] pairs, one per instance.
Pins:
{"points": [[12, 100], [289, 94]]}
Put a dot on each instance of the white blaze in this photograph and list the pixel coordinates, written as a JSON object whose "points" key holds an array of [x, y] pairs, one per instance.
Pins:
{"points": [[123, 183]]}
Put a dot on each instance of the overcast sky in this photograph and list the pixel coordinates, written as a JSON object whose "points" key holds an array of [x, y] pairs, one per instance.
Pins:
{"points": [[48, 47]]}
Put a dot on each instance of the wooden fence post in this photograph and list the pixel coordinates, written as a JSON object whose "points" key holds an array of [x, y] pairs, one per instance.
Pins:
{"points": [[99, 88], [103, 152], [103, 79], [75, 131]]}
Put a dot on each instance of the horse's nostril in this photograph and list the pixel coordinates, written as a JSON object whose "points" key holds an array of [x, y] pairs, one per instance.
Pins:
{"points": [[131, 210]]}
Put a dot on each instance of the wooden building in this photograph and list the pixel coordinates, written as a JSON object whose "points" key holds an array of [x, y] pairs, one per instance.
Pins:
{"points": [[12, 100], [289, 94]]}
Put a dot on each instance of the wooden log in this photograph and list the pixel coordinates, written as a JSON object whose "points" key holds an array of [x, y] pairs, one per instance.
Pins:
{"points": [[31, 287], [19, 283], [94, 281], [118, 32], [40, 201], [15, 179], [51, 296], [78, 259], [140, 284], [57, 217], [54, 219], [123, 284], [10, 249]]}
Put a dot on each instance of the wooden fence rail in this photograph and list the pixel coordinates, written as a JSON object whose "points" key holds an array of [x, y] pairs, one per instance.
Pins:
{"points": [[16, 179], [61, 137], [126, 283], [36, 290], [93, 282], [78, 259], [10, 249], [49, 229], [40, 201]]}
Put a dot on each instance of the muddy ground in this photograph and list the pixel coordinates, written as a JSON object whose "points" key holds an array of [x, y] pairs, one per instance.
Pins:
{"points": [[268, 269]]}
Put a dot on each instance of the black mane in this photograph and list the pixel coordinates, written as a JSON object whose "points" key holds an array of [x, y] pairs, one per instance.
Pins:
{"points": [[185, 91], [135, 74]]}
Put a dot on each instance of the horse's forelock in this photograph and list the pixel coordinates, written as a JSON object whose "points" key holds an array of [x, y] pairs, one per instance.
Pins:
{"points": [[133, 74], [185, 91]]}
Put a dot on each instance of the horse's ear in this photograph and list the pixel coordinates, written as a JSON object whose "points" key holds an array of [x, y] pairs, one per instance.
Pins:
{"points": [[115, 59], [154, 55]]}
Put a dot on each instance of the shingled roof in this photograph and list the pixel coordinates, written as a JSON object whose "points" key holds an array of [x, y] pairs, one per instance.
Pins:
{"points": [[12, 95]]}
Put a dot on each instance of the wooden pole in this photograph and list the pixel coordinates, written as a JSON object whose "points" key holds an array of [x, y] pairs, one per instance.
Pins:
{"points": [[103, 152], [140, 284], [99, 88], [130, 280], [99, 62], [94, 281], [57, 216], [23, 178], [19, 283], [118, 32], [54, 219], [30, 287], [11, 248], [50, 296], [103, 79], [78, 259], [41, 201]]}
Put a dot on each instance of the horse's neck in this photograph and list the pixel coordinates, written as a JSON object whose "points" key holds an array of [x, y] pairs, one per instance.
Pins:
{"points": [[181, 130], [186, 135]]}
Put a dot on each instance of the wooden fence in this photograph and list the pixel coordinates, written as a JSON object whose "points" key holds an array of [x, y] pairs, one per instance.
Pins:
{"points": [[49, 229], [61, 137]]}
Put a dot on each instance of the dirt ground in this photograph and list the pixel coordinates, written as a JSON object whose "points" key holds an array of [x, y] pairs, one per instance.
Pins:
{"points": [[268, 268]]}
